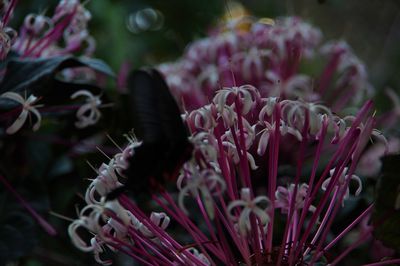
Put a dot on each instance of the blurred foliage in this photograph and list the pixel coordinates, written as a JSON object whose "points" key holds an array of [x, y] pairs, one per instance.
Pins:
{"points": [[387, 212], [370, 27]]}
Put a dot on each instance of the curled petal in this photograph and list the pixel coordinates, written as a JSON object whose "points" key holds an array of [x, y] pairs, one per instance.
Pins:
{"points": [[160, 219], [27, 106], [90, 108], [97, 249], [359, 188], [76, 239], [13, 96], [262, 215], [234, 204], [244, 221], [18, 123], [36, 126], [263, 142], [251, 160]]}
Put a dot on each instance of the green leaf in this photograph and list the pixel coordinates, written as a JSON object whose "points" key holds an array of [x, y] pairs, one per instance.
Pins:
{"points": [[386, 217]]}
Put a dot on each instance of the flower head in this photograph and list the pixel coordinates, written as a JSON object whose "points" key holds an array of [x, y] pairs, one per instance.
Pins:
{"points": [[27, 107], [218, 184], [252, 114], [268, 56], [89, 113], [63, 33]]}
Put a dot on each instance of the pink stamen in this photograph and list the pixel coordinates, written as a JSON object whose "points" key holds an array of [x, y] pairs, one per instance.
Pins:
{"points": [[9, 11], [272, 174], [293, 196]]}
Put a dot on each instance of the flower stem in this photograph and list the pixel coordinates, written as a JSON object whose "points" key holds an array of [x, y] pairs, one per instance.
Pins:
{"points": [[42, 222], [10, 9]]}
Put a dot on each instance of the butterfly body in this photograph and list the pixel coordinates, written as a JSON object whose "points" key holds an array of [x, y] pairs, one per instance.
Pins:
{"points": [[157, 123]]}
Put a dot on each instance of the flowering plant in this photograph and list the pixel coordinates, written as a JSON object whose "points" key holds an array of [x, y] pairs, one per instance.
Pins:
{"points": [[283, 131], [230, 192]]}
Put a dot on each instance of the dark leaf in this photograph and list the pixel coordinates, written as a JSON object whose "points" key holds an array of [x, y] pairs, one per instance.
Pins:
{"points": [[386, 217], [18, 230], [10, 56], [23, 74], [39, 76]]}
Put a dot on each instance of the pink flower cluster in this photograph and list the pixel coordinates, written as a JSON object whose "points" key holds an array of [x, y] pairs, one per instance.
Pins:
{"points": [[239, 139], [63, 33], [7, 34], [251, 112], [270, 56]]}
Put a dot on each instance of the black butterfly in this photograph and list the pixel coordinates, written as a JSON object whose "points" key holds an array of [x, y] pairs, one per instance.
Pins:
{"points": [[158, 124]]}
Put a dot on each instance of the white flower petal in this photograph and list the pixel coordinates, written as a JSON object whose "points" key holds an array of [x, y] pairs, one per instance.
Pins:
{"points": [[18, 123]]}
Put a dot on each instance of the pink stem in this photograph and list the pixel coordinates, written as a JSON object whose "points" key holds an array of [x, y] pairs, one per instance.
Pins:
{"points": [[160, 233], [223, 162], [299, 167], [10, 9], [359, 146], [328, 72], [43, 223], [324, 221], [385, 262], [273, 173], [348, 228], [317, 157], [241, 243], [183, 220], [351, 138], [360, 241], [138, 257], [52, 35]]}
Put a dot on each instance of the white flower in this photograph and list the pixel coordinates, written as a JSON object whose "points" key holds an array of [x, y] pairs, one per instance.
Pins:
{"points": [[254, 57], [270, 128], [160, 219], [104, 183], [199, 256], [245, 95], [90, 108], [342, 180], [27, 106], [249, 206], [206, 184], [284, 196], [7, 39]]}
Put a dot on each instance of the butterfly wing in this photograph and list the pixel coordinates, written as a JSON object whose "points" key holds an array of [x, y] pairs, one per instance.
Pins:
{"points": [[158, 124], [179, 149]]}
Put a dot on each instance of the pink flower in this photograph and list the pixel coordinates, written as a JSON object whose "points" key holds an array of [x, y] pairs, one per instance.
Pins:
{"points": [[63, 33], [268, 56], [231, 220]]}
